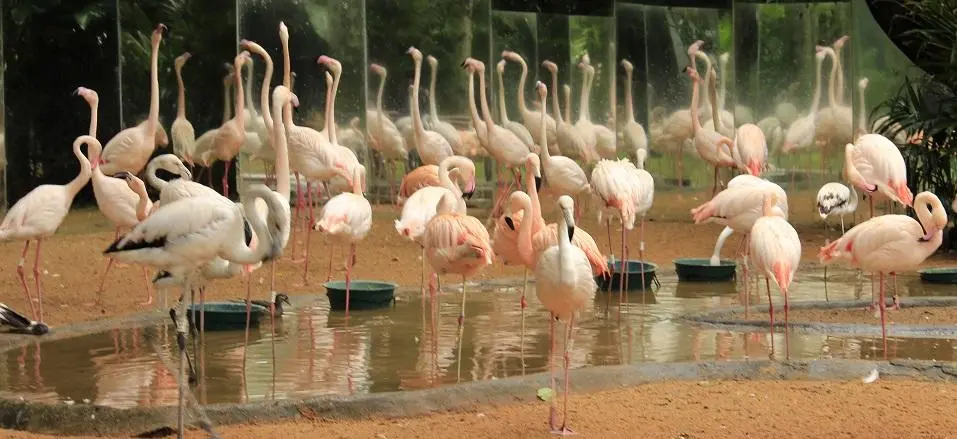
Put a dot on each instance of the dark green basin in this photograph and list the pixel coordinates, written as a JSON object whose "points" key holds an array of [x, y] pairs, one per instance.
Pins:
{"points": [[939, 275], [363, 294], [701, 270], [635, 270], [225, 316]]}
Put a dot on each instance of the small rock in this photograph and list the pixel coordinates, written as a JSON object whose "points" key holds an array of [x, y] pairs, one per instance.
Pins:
{"points": [[480, 415]]}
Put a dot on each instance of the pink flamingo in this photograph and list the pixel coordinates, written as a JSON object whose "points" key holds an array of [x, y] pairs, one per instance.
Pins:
{"points": [[750, 149], [39, 213], [708, 142], [232, 134], [456, 243], [347, 219], [875, 165], [565, 286], [890, 244], [776, 251]]}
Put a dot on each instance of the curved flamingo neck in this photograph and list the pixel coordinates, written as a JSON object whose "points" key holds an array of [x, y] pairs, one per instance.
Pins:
{"points": [[264, 90], [545, 154], [486, 114], [94, 110], [695, 122], [582, 109], [445, 180], [862, 115], [331, 114], [286, 65], [567, 92], [227, 101], [525, 250], [249, 86], [282, 151], [629, 103], [503, 114], [521, 84], [416, 115], [239, 105], [378, 98], [535, 218], [587, 97], [473, 111], [180, 94], [86, 171], [816, 99], [556, 107], [158, 183], [143, 206], [832, 81]]}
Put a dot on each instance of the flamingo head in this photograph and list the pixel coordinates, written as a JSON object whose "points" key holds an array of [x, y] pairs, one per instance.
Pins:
{"points": [[694, 48], [158, 34], [500, 66], [627, 65], [433, 62], [377, 69], [903, 193], [567, 206], [533, 165], [283, 33], [181, 60], [331, 63], [541, 89], [692, 73], [754, 168], [88, 94], [928, 204], [862, 84], [840, 42], [416, 54], [512, 56], [550, 66]]}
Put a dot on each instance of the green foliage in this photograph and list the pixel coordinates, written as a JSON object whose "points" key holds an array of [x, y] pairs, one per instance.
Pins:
{"points": [[928, 103]]}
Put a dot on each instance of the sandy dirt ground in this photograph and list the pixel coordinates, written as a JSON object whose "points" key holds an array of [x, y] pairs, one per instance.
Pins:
{"points": [[699, 410], [72, 265], [903, 316]]}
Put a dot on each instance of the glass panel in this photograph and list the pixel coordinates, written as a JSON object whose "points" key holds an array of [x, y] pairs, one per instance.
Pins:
{"points": [[209, 37], [633, 107], [316, 27], [776, 61], [49, 49], [450, 32], [669, 31]]}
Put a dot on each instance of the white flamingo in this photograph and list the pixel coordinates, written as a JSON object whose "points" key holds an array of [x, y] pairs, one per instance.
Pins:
{"points": [[531, 118], [384, 137], [445, 129], [184, 137], [39, 213], [570, 142], [231, 135], [130, 149], [562, 175], [635, 136], [432, 147], [565, 286], [511, 125]]}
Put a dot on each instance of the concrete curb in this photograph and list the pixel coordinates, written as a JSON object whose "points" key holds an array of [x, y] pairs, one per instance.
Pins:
{"points": [[724, 318]]}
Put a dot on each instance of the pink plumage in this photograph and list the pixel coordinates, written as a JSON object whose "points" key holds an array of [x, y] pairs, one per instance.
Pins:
{"points": [[874, 164]]}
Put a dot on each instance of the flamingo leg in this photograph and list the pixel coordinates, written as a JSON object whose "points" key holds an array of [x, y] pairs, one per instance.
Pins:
{"points": [[552, 411], [109, 264], [622, 270], [149, 286], [181, 325], [612, 251], [329, 270], [38, 281], [641, 257], [767, 286], [23, 280], [422, 281], [202, 314], [564, 431], [249, 309], [524, 304], [312, 221], [461, 330], [897, 302], [295, 221], [714, 186], [227, 165], [883, 311]]}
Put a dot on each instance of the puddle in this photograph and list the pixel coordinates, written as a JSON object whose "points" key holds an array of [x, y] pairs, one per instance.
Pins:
{"points": [[318, 353]]}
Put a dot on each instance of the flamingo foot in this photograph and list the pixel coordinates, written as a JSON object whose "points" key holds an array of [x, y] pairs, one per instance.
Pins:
{"points": [[524, 303], [564, 431], [148, 301]]}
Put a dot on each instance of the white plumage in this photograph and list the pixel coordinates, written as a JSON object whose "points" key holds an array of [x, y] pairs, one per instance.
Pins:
{"points": [[836, 199]]}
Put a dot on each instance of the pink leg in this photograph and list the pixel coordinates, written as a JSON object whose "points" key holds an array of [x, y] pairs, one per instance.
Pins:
{"points": [[568, 333], [883, 311], [23, 280], [552, 411], [312, 221], [612, 251], [641, 256], [349, 264], [329, 271], [202, 312], [109, 264], [149, 286], [36, 278], [622, 271], [767, 285], [787, 343], [295, 218], [249, 308], [226, 178]]}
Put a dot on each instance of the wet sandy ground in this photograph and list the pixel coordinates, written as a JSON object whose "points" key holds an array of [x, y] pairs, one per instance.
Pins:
{"points": [[903, 316], [73, 263], [701, 410]]}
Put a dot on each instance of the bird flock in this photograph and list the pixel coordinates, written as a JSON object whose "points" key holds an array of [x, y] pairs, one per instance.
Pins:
{"points": [[193, 234]]}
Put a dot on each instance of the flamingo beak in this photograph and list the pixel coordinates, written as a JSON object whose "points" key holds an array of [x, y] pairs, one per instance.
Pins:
{"points": [[510, 223], [905, 195], [538, 183]]}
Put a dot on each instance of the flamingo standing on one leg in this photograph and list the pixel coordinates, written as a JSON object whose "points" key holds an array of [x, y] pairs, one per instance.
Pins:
{"points": [[565, 286], [39, 214], [750, 149], [890, 244], [347, 219], [456, 243], [776, 251]]}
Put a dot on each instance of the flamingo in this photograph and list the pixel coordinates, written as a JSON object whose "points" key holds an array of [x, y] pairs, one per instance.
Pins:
{"points": [[20, 323], [836, 120], [562, 175], [708, 143], [39, 214], [267, 152], [801, 132], [183, 236], [565, 287], [456, 243], [836, 199], [347, 219], [445, 129], [130, 149], [432, 147], [423, 176], [890, 244], [231, 135], [875, 165], [520, 131], [531, 118], [421, 207], [205, 141], [184, 137], [604, 137], [384, 137], [635, 136], [570, 141], [750, 149], [504, 146], [776, 251], [747, 180]]}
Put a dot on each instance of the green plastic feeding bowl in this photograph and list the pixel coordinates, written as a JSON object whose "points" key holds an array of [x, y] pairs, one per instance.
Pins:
{"points": [[939, 275], [363, 294], [701, 270], [635, 270], [225, 316]]}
